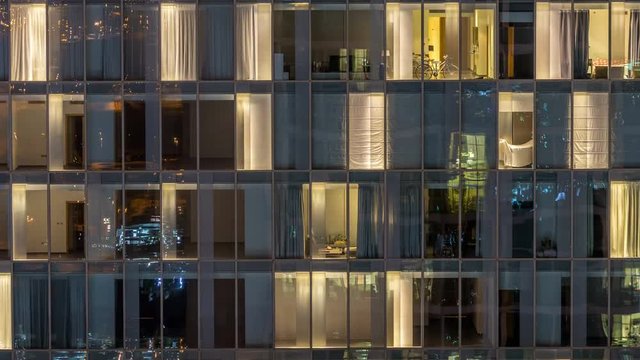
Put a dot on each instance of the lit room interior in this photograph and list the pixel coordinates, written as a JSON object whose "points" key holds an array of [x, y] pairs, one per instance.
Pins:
{"points": [[403, 308], [253, 131], [66, 136], [178, 41], [30, 221], [515, 129], [477, 39], [624, 210], [366, 131], [404, 25], [440, 41], [29, 140], [253, 41], [179, 203], [292, 291], [591, 41], [625, 51], [590, 130], [554, 34], [28, 42]]}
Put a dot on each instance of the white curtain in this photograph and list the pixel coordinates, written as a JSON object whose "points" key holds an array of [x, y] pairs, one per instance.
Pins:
{"points": [[28, 42], [366, 131], [625, 219], [400, 40], [253, 42], [56, 132], [178, 42], [5, 311], [553, 60], [253, 124], [590, 130]]}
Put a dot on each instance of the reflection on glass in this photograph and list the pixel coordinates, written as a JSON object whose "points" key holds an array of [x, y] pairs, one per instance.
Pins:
{"points": [[479, 223], [68, 306], [255, 306], [329, 309], [625, 307], [553, 125], [515, 214], [30, 221], [66, 132], [515, 301], [441, 300], [66, 41], [366, 309], [143, 294], [253, 131], [254, 219], [553, 213], [404, 217], [403, 121], [477, 40], [477, 150], [253, 42], [29, 120], [104, 130], [478, 303], [180, 311], [105, 306], [625, 128], [553, 40], [103, 38], [292, 321], [179, 216], [104, 216], [441, 208], [328, 126], [30, 290], [441, 111], [140, 235], [590, 193], [291, 126], [28, 42], [590, 301], [140, 45], [515, 129], [553, 303], [291, 41], [141, 128]]}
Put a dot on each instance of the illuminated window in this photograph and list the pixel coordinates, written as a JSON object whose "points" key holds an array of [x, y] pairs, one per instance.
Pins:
{"points": [[403, 308], [253, 41], [366, 131], [478, 40], [5, 311], [515, 129], [66, 132], [590, 129], [29, 114], [553, 40], [328, 309], [28, 42], [440, 39], [30, 221], [179, 211], [292, 322], [591, 41], [178, 42], [253, 131], [625, 40], [404, 29]]}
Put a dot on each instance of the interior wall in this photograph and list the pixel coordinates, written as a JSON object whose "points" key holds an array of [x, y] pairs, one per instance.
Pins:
{"points": [[599, 34], [29, 129]]}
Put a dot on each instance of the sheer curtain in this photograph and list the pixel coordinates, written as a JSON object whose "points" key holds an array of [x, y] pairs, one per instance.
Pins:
{"points": [[216, 41], [253, 42], [624, 213], [581, 44], [410, 220], [590, 130], [366, 131], [369, 236], [400, 40], [253, 131], [178, 41], [5, 311], [28, 42]]}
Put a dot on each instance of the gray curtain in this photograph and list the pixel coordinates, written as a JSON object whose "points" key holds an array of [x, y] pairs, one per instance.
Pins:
{"points": [[30, 311], [103, 42], [565, 44], [409, 219], [634, 39], [66, 39], [581, 44], [141, 42], [68, 312], [369, 236], [289, 221], [216, 42]]}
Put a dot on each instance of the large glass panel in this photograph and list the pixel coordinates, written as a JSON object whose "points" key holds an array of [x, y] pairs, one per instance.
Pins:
{"points": [[590, 219], [291, 126], [553, 303], [216, 131], [366, 209], [516, 39], [329, 237], [553, 125], [623, 207], [103, 39], [29, 122], [30, 290], [178, 41], [328, 121], [141, 128], [66, 132], [219, 298], [477, 35], [180, 305], [104, 127], [68, 299], [591, 40], [28, 42], [140, 32], [515, 214], [366, 130], [67, 218], [442, 127], [179, 126], [591, 126], [253, 42], [105, 305], [441, 300], [6, 340], [179, 217], [625, 125], [441, 213], [515, 304], [625, 62], [292, 302], [403, 121], [366, 40], [329, 58], [404, 36], [625, 306], [255, 305], [291, 215], [215, 40], [253, 131], [217, 216], [403, 214], [30, 221], [142, 297], [328, 309], [404, 303], [478, 303], [254, 219], [291, 41], [553, 40], [366, 305], [553, 213], [479, 192], [66, 40], [515, 128], [477, 139], [141, 233], [590, 302], [440, 41], [104, 216]]}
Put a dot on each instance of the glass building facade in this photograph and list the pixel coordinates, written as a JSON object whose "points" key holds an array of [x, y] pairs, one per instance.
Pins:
{"points": [[334, 179]]}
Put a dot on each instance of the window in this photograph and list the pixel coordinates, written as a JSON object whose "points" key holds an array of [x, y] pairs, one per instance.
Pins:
{"points": [[104, 127], [6, 338], [553, 125], [515, 214], [143, 296], [441, 299], [366, 39], [366, 306], [479, 223], [328, 125], [478, 298], [28, 42], [66, 132], [328, 291], [329, 58], [104, 216], [625, 62], [253, 131], [215, 40], [366, 209], [553, 209], [404, 306], [179, 217], [590, 291], [590, 222], [179, 127], [590, 127], [291, 57], [4, 130], [329, 237], [477, 151], [180, 312], [624, 309], [216, 131], [66, 41], [441, 111], [141, 128], [67, 218], [624, 237], [403, 120], [140, 45], [291, 215], [553, 303], [553, 40], [105, 306], [30, 221], [103, 39], [515, 304], [30, 290], [624, 125], [253, 41], [29, 120], [515, 129], [366, 130], [291, 127], [440, 39], [516, 39], [255, 305], [254, 219], [403, 215], [478, 35], [292, 314], [140, 236], [591, 41], [404, 27], [441, 209], [68, 310], [178, 41], [217, 208]]}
